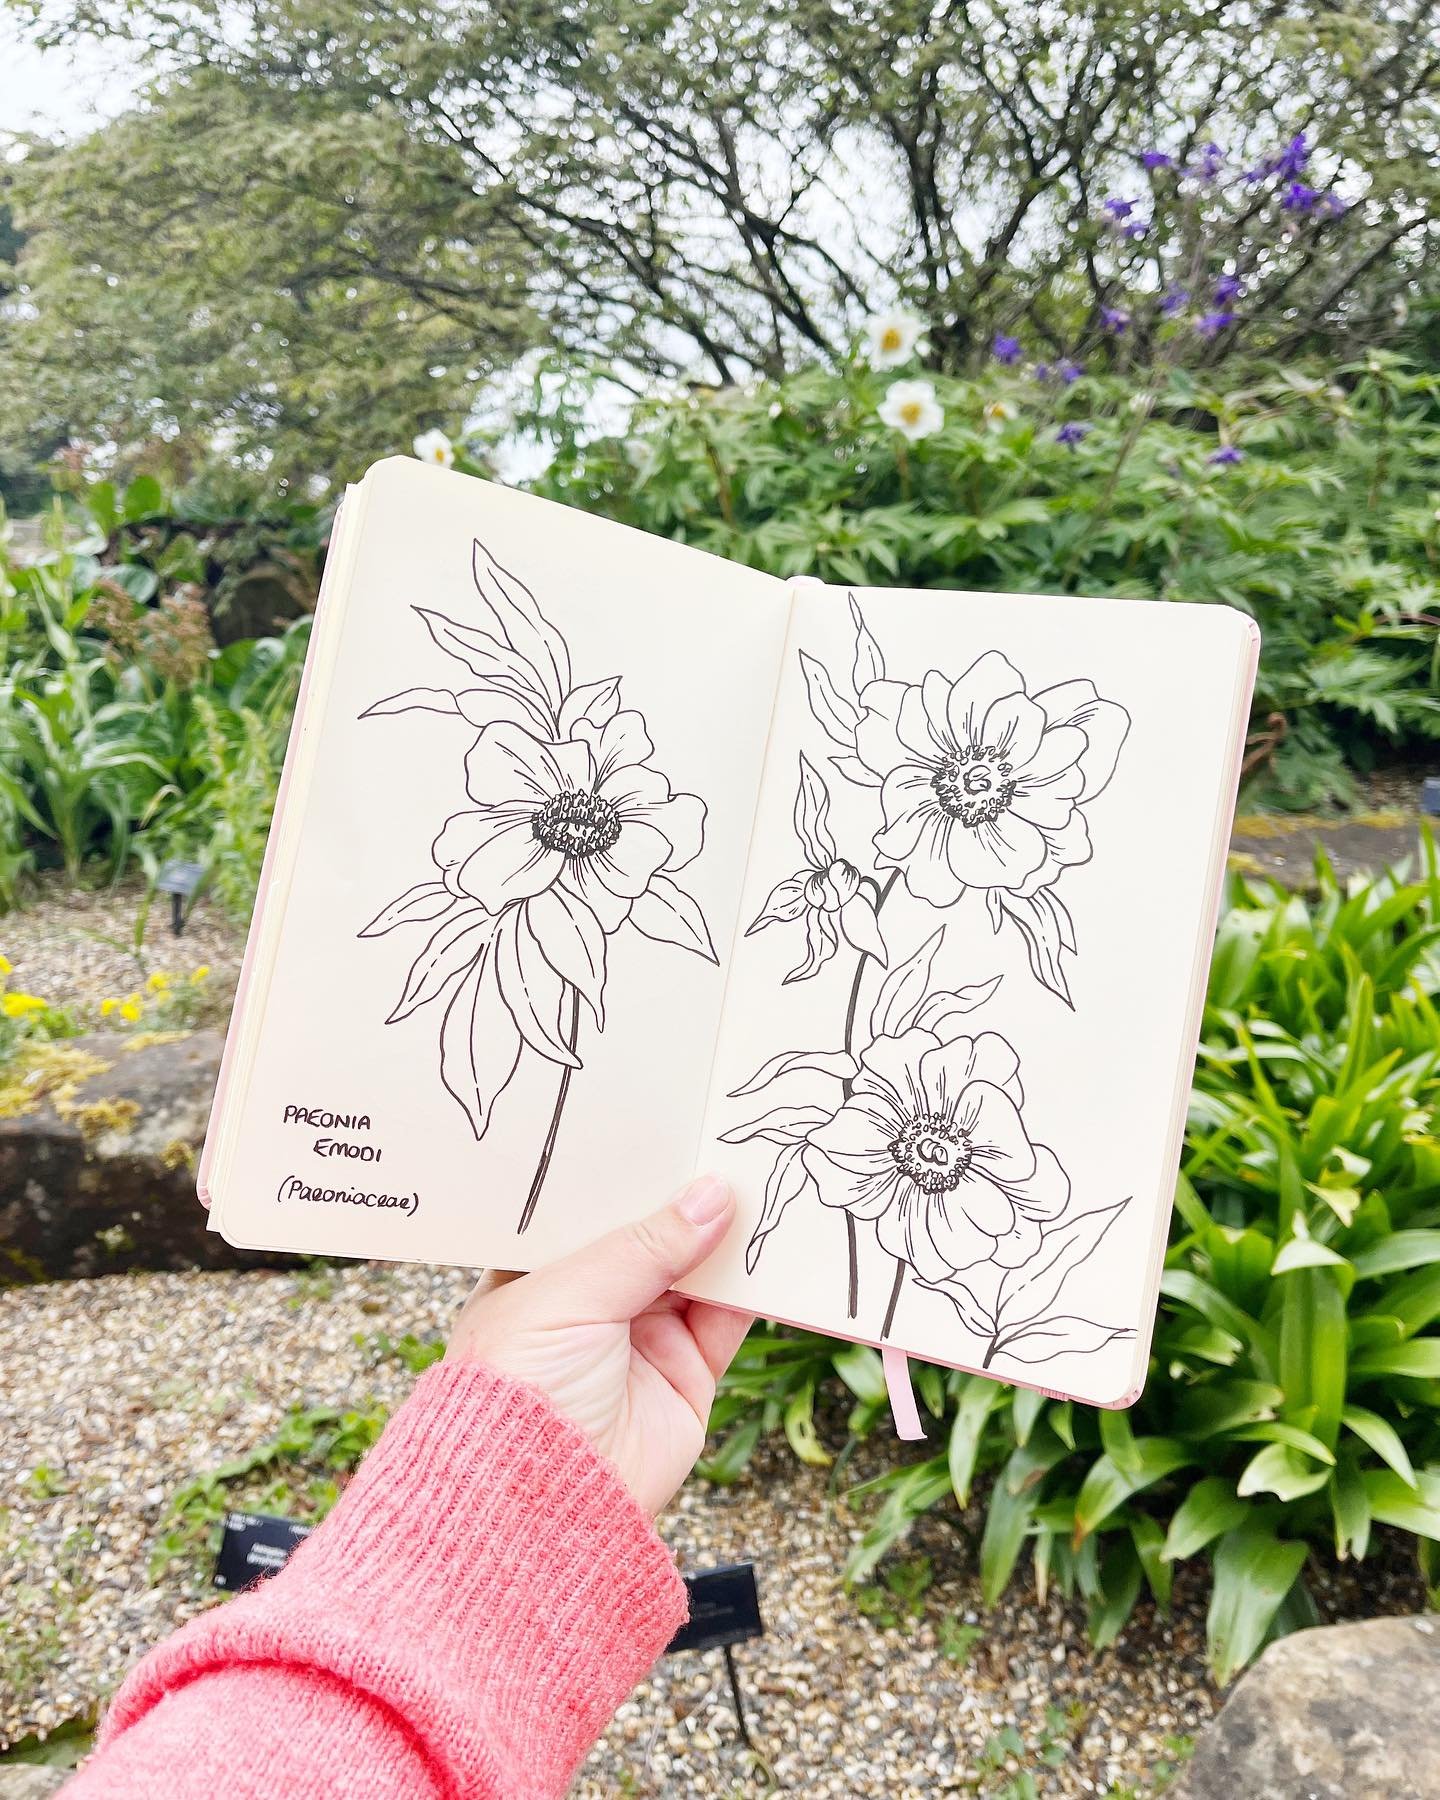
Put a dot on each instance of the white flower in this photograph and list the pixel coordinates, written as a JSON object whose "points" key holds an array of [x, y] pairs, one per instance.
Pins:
{"points": [[435, 447], [998, 412], [891, 339], [910, 407]]}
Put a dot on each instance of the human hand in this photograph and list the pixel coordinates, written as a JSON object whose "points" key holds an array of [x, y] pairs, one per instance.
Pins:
{"points": [[633, 1365]]}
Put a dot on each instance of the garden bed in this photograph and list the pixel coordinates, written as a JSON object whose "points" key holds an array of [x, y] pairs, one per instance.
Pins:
{"points": [[124, 1390]]}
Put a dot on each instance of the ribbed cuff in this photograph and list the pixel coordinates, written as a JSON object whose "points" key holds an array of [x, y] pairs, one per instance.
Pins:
{"points": [[486, 1576]]}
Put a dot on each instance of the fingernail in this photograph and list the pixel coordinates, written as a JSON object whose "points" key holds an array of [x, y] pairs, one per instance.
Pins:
{"points": [[704, 1200]]}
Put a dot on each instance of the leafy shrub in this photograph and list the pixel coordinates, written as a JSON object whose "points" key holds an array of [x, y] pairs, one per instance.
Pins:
{"points": [[1307, 501], [1293, 1398], [125, 732]]}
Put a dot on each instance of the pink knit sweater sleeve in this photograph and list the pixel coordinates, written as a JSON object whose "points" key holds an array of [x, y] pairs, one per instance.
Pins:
{"points": [[479, 1602]]}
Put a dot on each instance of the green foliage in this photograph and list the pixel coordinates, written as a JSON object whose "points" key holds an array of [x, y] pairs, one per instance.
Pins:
{"points": [[295, 1473], [1326, 529], [124, 732], [347, 213], [1293, 1399]]}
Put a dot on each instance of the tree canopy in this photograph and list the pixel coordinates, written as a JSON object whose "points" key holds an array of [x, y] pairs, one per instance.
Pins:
{"points": [[321, 224]]}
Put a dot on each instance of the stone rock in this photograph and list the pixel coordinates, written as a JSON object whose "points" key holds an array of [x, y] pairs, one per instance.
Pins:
{"points": [[100, 1175], [1344, 1712], [31, 1781]]}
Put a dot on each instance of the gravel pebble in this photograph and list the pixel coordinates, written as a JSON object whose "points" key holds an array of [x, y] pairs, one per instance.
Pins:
{"points": [[119, 1390]]}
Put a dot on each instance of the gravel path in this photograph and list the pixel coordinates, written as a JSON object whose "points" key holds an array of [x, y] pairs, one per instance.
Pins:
{"points": [[118, 1391]]}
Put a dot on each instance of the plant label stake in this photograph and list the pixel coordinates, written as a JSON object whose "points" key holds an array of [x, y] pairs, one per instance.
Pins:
{"points": [[181, 881], [252, 1546], [724, 1611]]}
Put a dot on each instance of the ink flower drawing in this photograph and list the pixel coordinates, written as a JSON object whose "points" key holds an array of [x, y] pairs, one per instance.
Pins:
{"points": [[913, 1127], [571, 834]]}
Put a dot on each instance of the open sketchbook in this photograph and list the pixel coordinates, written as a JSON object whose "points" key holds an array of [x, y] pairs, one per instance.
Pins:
{"points": [[600, 862]]}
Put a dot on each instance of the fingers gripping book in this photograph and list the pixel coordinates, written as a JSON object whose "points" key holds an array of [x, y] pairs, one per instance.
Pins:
{"points": [[599, 862]]}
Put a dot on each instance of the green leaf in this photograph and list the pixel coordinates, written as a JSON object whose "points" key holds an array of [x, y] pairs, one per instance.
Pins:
{"points": [[1149, 1541], [1313, 1347], [1350, 1507], [1396, 1502], [1254, 1571], [1282, 1471], [978, 1398], [1401, 1250], [1382, 1438], [1120, 1573], [1025, 1409], [1107, 1485], [861, 1370], [1211, 1508], [800, 1427], [1419, 1357]]}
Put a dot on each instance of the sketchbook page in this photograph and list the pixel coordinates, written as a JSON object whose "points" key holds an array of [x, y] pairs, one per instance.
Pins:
{"points": [[961, 1020], [491, 1011]]}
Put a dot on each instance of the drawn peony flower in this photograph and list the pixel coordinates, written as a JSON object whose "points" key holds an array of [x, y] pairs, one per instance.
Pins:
{"points": [[587, 815], [892, 339], [910, 407], [435, 447], [931, 1146], [829, 893], [983, 783]]}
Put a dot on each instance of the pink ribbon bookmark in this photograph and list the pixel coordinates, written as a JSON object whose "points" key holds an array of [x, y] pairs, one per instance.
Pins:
{"points": [[902, 1396]]}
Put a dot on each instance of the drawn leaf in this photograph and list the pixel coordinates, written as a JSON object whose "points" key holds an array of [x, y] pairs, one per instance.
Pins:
{"points": [[521, 623], [938, 1011], [1029, 1292], [869, 663], [427, 900], [416, 699], [903, 992], [782, 1125], [450, 951], [839, 1063], [995, 908], [479, 1045], [836, 716], [666, 913], [862, 929], [821, 943], [1064, 1335], [596, 702], [787, 1181], [491, 661], [786, 901], [1045, 925], [854, 770], [812, 813], [532, 989], [482, 706], [573, 943]]}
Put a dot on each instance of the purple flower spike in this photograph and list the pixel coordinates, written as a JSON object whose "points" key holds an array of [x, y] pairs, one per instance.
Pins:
{"points": [[1174, 300], [1208, 167], [1332, 205], [1292, 159], [1118, 209], [1006, 349], [1135, 229], [1211, 324], [1225, 455], [1298, 198], [1072, 433], [1069, 371], [1115, 320], [1227, 288], [1041, 372], [1156, 159]]}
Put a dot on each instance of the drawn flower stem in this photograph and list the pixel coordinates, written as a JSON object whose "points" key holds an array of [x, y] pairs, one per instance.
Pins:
{"points": [[542, 1168], [899, 1282], [990, 1352], [851, 1239]]}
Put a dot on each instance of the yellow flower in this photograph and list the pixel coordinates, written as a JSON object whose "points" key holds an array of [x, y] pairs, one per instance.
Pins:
{"points": [[158, 982], [107, 1007], [198, 975], [131, 1009], [18, 1006], [6, 966]]}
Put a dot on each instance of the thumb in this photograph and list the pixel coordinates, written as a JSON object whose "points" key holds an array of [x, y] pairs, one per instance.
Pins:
{"points": [[619, 1275]]}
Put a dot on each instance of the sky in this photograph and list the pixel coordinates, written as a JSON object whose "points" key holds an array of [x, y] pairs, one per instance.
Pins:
{"points": [[57, 92]]}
